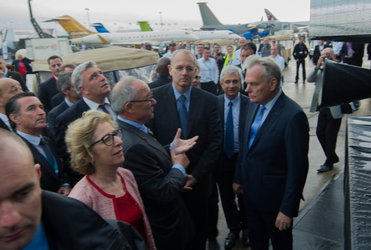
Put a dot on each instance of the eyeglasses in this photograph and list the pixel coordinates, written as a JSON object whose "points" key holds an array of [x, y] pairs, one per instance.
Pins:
{"points": [[108, 139], [145, 100]]}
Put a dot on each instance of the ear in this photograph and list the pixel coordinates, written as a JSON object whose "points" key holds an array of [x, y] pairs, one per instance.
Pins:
{"points": [[13, 118], [170, 69], [128, 106], [38, 170], [64, 92], [273, 84]]}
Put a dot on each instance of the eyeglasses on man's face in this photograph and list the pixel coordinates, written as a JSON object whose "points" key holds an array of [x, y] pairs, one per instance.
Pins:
{"points": [[108, 139]]}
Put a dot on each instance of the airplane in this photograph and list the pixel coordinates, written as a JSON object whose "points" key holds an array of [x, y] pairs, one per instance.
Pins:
{"points": [[211, 22], [279, 25], [73, 28], [254, 32], [99, 27], [81, 35], [201, 34]]}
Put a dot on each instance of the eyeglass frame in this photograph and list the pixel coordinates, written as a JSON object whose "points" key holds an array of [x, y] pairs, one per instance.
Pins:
{"points": [[111, 137], [144, 100]]}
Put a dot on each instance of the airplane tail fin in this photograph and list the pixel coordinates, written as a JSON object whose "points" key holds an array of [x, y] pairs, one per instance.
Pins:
{"points": [[270, 16], [100, 27], [208, 17], [144, 26], [72, 27]]}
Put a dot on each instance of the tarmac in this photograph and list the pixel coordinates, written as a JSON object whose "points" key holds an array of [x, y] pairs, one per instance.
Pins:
{"points": [[320, 224]]}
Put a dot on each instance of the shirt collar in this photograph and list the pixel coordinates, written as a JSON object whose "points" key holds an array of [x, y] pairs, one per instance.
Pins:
{"points": [[271, 103], [69, 104], [34, 140], [5, 119], [234, 101], [139, 126], [93, 105], [187, 94]]}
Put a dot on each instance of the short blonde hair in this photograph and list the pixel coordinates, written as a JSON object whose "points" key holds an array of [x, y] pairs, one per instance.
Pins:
{"points": [[79, 137]]}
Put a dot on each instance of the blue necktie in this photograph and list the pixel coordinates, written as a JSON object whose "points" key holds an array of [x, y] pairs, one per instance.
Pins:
{"points": [[256, 125], [49, 155], [183, 114], [228, 140]]}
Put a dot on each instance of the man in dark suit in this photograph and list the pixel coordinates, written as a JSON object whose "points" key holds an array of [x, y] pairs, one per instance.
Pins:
{"points": [[28, 119], [163, 73], [94, 88], [8, 89], [195, 111], [273, 161], [48, 88], [233, 125], [66, 87], [160, 177]]}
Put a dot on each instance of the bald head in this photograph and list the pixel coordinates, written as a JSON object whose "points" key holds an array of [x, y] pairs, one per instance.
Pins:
{"points": [[20, 197], [8, 88], [329, 53]]}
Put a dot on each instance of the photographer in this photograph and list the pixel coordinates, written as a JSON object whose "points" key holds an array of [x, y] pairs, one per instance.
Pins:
{"points": [[329, 118]]}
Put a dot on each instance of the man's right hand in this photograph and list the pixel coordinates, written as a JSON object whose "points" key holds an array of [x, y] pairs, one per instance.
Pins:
{"points": [[237, 188], [181, 159]]}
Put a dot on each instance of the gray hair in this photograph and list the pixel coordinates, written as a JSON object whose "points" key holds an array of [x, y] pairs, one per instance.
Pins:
{"points": [[270, 67], [63, 81], [76, 74], [229, 70], [123, 92]]}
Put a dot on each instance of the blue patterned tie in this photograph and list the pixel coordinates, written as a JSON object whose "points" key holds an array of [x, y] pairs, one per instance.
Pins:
{"points": [[256, 125], [229, 139], [183, 114]]}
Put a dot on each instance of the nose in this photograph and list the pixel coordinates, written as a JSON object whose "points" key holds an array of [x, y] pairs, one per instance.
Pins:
{"points": [[9, 215], [154, 102], [118, 141], [247, 89]]}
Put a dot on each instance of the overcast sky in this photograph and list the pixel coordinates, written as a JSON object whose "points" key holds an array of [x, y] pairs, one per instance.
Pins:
{"points": [[174, 13]]}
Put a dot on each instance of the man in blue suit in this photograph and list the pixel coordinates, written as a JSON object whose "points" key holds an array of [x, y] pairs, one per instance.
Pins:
{"points": [[273, 162]]}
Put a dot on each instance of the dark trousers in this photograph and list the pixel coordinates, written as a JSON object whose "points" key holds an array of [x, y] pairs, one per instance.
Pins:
{"points": [[302, 62], [213, 211], [262, 228], [209, 86], [327, 132], [197, 204], [234, 213]]}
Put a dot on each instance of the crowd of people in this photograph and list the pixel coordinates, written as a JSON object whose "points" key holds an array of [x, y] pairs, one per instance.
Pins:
{"points": [[146, 160]]}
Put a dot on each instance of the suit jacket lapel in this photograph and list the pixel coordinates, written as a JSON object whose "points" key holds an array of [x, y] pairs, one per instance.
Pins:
{"points": [[271, 118], [251, 113], [39, 158], [243, 110], [151, 141], [194, 110]]}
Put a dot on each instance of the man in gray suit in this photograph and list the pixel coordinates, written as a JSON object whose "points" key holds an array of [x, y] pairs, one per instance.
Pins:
{"points": [[329, 118], [160, 176]]}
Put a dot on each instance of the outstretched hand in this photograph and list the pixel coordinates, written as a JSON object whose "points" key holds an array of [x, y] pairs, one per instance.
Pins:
{"points": [[182, 146]]}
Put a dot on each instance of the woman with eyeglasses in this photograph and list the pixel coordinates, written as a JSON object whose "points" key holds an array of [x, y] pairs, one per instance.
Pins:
{"points": [[95, 146]]}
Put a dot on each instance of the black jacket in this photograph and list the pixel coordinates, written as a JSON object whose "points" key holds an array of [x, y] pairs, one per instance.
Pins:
{"points": [[300, 51], [70, 224]]}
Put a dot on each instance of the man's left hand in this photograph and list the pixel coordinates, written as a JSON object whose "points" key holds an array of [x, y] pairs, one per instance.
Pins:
{"points": [[283, 221], [182, 146], [64, 190]]}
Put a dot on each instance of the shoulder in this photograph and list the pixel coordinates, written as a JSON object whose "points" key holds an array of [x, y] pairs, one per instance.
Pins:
{"points": [[75, 110]]}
